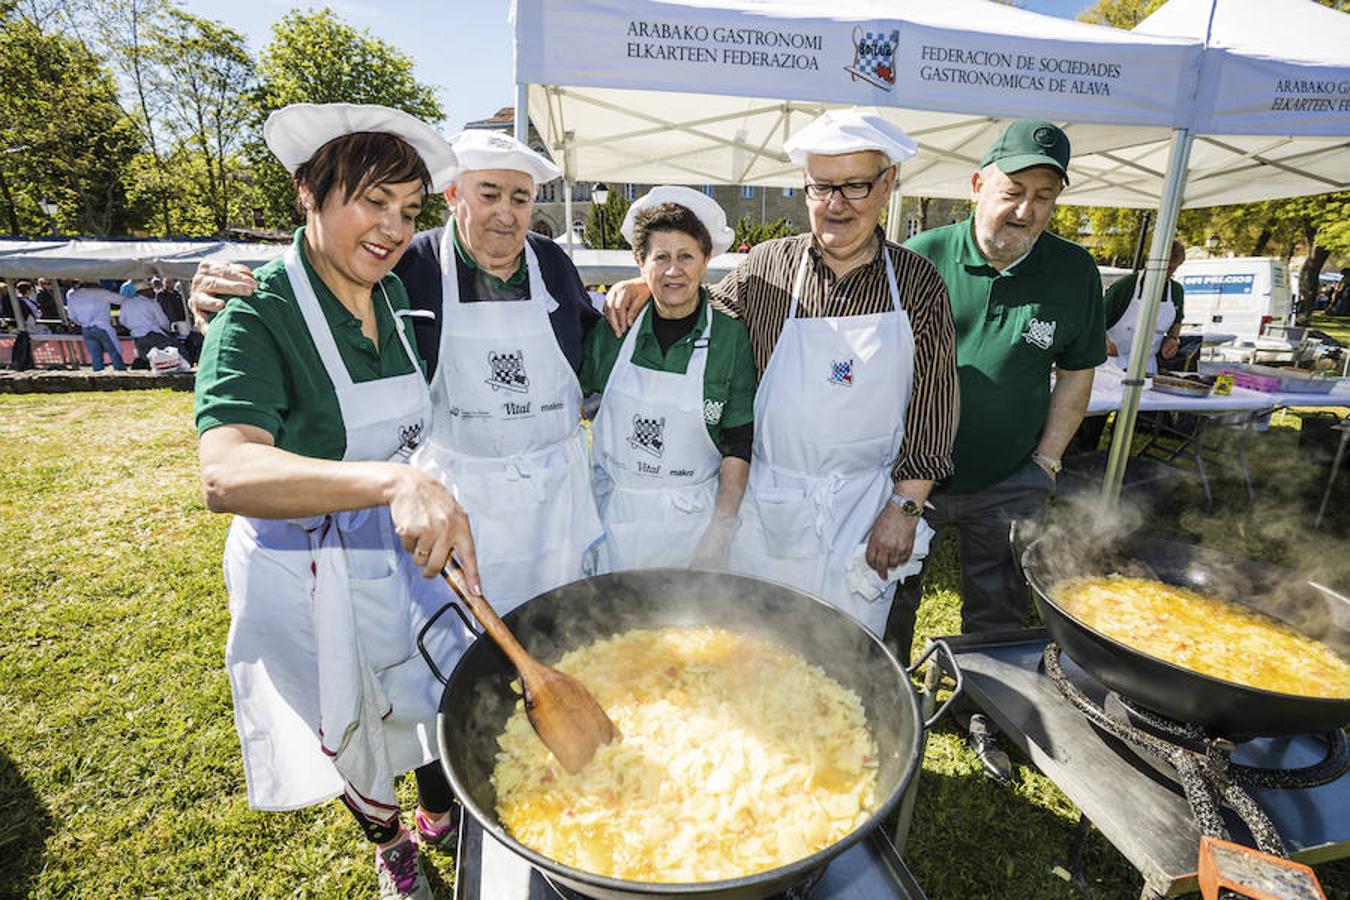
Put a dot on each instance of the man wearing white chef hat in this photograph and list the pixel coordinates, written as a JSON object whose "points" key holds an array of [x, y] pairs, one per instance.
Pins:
{"points": [[500, 316], [856, 409], [504, 351]]}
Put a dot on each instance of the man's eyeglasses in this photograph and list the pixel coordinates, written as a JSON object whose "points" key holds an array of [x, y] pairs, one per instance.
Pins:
{"points": [[849, 190]]}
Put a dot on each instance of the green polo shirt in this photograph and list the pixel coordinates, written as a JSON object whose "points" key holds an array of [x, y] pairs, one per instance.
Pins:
{"points": [[728, 377], [259, 365], [1119, 295], [488, 286], [1011, 329]]}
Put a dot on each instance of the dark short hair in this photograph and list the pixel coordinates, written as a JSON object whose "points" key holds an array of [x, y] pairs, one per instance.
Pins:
{"points": [[23, 287], [360, 160], [1178, 253], [668, 217]]}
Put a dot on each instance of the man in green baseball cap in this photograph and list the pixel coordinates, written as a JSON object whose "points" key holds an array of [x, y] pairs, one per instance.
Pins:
{"points": [[1028, 143], [1025, 303]]}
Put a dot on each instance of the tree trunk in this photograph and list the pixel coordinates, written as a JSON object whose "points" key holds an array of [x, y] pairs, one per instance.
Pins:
{"points": [[1307, 284], [1262, 240], [10, 213], [923, 213]]}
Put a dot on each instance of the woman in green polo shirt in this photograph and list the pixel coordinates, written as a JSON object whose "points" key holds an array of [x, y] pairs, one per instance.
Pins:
{"points": [[673, 433], [310, 397]]}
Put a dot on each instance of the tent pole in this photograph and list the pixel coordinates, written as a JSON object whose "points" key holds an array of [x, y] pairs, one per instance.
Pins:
{"points": [[20, 320], [1155, 280], [60, 299], [522, 113], [567, 214], [893, 210], [567, 166]]}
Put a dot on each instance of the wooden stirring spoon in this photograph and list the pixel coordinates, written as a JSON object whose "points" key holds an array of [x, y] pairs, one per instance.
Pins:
{"points": [[564, 714]]}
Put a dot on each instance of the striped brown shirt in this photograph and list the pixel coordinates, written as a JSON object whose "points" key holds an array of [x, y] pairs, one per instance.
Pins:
{"points": [[759, 292]]}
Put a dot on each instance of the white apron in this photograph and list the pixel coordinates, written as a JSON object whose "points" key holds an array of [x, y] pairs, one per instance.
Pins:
{"points": [[656, 465], [1122, 333], [330, 694], [507, 438], [829, 420]]}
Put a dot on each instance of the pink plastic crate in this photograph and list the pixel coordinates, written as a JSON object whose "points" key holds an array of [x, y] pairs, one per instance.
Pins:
{"points": [[1252, 381]]}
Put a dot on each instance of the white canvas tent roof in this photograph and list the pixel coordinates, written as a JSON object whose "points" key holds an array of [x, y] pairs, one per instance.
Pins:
{"points": [[1271, 115], [92, 259], [709, 110], [1285, 62]]}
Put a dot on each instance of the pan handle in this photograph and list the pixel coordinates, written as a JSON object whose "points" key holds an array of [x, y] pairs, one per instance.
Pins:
{"points": [[940, 646], [421, 636]]}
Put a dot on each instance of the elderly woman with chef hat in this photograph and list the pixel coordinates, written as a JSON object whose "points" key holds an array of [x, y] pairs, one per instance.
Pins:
{"points": [[674, 430], [309, 400]]}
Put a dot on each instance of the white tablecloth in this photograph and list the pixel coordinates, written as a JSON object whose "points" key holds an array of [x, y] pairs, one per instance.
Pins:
{"points": [[1108, 395]]}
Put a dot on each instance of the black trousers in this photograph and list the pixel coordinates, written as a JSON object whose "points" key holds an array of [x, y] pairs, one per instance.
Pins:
{"points": [[434, 794], [993, 593]]}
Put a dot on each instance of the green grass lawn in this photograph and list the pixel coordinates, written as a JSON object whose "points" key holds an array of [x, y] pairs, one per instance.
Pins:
{"points": [[1336, 326], [119, 766]]}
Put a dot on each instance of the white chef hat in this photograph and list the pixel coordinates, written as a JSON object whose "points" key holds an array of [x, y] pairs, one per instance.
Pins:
{"points": [[295, 133], [850, 131], [480, 148], [708, 211]]}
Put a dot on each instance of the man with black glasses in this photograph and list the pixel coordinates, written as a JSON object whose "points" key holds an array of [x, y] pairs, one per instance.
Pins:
{"points": [[857, 404]]}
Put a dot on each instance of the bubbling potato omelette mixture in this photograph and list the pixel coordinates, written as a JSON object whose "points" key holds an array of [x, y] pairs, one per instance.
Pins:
{"points": [[737, 756], [1205, 634]]}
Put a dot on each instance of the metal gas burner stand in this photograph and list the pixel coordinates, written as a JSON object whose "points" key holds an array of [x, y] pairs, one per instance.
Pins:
{"points": [[1143, 814], [485, 869]]}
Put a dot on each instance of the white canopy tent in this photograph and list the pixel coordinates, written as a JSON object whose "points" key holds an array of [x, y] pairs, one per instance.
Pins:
{"points": [[705, 91], [93, 259]]}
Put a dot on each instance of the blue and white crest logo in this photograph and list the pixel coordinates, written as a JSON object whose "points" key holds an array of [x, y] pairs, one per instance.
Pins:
{"points": [[648, 435], [841, 372], [874, 57], [506, 371]]}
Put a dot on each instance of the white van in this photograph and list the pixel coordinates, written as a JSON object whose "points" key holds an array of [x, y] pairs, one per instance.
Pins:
{"points": [[1239, 295]]}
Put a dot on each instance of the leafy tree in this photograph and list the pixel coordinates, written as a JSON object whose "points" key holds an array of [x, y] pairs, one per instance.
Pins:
{"points": [[615, 207], [65, 137], [126, 30], [752, 231], [185, 81], [1129, 13], [1318, 226], [1120, 13], [1111, 233], [315, 57], [204, 74]]}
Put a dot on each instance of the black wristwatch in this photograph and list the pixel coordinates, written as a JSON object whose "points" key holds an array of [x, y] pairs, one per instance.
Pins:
{"points": [[907, 506]]}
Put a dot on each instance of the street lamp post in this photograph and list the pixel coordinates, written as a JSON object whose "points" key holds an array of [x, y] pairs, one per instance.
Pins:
{"points": [[48, 207], [600, 196]]}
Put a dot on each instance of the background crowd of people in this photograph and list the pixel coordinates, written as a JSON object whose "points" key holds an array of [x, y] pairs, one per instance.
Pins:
{"points": [[153, 313]]}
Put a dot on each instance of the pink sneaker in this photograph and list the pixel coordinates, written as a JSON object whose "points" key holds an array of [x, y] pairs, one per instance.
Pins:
{"points": [[400, 874], [444, 836]]}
